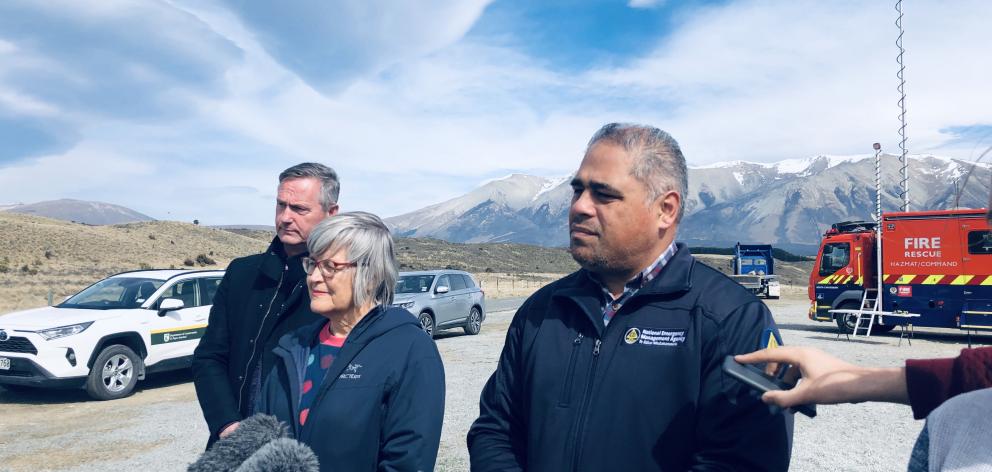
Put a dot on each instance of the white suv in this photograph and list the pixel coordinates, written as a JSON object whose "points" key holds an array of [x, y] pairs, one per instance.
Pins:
{"points": [[108, 336]]}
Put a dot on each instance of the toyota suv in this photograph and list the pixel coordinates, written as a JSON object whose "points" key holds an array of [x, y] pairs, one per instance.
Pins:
{"points": [[442, 299], [108, 336]]}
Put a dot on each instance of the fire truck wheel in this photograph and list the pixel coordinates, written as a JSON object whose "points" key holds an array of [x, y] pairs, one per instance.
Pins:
{"points": [[845, 322]]}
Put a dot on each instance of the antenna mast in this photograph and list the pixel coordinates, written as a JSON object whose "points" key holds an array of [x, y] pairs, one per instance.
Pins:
{"points": [[878, 226], [904, 181]]}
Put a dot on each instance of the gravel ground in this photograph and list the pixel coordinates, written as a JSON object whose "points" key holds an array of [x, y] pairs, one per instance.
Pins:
{"points": [[160, 427]]}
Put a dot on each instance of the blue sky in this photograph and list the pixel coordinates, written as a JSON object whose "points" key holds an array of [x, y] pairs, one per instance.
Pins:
{"points": [[188, 109]]}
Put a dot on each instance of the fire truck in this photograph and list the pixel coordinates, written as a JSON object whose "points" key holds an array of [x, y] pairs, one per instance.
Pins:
{"points": [[937, 264]]}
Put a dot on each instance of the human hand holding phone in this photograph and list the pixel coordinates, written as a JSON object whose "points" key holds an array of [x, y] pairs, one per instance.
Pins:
{"points": [[763, 382], [827, 380]]}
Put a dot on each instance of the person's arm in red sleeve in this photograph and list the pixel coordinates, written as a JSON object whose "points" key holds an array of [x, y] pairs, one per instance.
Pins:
{"points": [[930, 382]]}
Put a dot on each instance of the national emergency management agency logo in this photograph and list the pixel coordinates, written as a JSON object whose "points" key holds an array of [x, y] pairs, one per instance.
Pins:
{"points": [[3, 335], [633, 334]]}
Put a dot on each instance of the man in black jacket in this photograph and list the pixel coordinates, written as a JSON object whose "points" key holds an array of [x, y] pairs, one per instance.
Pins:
{"points": [[262, 297], [618, 366]]}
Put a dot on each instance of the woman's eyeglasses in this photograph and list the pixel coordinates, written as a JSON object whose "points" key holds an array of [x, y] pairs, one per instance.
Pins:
{"points": [[327, 267]]}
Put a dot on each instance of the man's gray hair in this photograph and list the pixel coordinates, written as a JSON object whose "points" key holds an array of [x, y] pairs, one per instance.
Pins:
{"points": [[369, 244], [658, 160], [329, 185]]}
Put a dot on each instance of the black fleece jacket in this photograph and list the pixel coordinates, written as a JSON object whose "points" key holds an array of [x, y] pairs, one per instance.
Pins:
{"points": [[262, 297]]}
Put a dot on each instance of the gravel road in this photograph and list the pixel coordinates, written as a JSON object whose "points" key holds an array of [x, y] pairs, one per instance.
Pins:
{"points": [[160, 427]]}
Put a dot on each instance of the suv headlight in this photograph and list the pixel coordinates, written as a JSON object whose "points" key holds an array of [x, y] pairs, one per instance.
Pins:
{"points": [[406, 305], [63, 331]]}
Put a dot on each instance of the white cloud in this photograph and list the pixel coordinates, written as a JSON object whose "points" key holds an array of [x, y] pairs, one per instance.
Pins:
{"points": [[645, 3], [763, 81], [7, 47], [26, 105], [330, 44], [430, 113]]}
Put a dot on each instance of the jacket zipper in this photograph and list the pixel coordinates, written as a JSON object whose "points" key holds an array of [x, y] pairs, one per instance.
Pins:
{"points": [[294, 379], [580, 418], [566, 391], [254, 344]]}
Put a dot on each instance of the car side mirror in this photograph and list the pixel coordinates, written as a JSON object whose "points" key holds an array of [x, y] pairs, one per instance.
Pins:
{"points": [[170, 304], [442, 289]]}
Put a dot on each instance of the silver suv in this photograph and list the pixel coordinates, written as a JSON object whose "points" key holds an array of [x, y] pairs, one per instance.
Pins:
{"points": [[442, 299]]}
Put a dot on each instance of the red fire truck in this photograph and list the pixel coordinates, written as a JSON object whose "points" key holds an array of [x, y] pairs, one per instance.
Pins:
{"points": [[937, 264]]}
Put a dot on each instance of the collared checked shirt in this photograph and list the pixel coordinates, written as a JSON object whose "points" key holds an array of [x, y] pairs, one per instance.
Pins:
{"points": [[612, 305]]}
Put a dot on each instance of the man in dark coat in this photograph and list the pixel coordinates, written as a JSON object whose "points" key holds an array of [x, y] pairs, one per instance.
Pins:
{"points": [[262, 297], [618, 366]]}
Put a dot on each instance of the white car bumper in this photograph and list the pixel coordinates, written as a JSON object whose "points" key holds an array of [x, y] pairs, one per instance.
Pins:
{"points": [[28, 359]]}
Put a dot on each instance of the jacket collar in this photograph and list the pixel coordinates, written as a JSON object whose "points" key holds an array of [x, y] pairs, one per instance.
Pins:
{"points": [[275, 260], [674, 278], [380, 320]]}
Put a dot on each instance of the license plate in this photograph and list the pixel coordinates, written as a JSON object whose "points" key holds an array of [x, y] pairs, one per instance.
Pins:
{"points": [[4, 363]]}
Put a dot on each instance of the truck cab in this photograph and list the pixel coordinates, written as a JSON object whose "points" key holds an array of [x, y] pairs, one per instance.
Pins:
{"points": [[844, 264], [754, 269]]}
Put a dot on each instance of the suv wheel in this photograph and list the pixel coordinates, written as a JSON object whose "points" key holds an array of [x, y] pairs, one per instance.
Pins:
{"points": [[474, 323], [427, 322], [114, 373]]}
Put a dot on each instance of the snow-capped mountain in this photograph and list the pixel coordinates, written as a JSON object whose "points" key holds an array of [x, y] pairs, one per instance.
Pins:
{"points": [[498, 211], [789, 202]]}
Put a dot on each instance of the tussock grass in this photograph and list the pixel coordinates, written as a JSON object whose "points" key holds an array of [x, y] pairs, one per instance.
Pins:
{"points": [[78, 254], [39, 256]]}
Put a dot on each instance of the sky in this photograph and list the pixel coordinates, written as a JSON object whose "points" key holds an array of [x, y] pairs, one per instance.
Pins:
{"points": [[189, 109]]}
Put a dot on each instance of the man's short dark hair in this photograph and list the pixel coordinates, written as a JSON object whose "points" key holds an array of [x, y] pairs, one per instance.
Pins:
{"points": [[329, 185]]}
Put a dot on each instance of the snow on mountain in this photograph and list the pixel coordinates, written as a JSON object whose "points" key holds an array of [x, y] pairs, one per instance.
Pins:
{"points": [[550, 185], [786, 202]]}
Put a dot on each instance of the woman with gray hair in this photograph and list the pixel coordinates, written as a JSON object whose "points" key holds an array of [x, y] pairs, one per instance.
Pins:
{"points": [[363, 387]]}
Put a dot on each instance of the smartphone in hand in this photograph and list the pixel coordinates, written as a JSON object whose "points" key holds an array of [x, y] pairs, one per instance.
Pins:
{"points": [[762, 382]]}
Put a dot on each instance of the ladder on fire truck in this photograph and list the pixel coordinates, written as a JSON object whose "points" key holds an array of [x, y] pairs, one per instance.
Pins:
{"points": [[871, 299], [869, 309]]}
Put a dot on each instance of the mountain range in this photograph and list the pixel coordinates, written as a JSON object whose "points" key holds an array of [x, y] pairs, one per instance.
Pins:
{"points": [[788, 203], [80, 211]]}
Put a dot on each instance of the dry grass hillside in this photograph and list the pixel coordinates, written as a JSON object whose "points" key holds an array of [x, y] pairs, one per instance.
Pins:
{"points": [[425, 253], [428, 253], [39, 256], [794, 276]]}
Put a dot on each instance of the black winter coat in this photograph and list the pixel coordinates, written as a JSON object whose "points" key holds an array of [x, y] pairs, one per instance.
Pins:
{"points": [[645, 393], [381, 404], [251, 310]]}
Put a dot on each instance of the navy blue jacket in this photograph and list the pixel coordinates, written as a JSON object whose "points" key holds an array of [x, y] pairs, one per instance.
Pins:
{"points": [[381, 405], [645, 393]]}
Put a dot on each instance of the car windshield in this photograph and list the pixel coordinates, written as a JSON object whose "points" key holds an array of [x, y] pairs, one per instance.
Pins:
{"points": [[414, 283], [115, 292]]}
